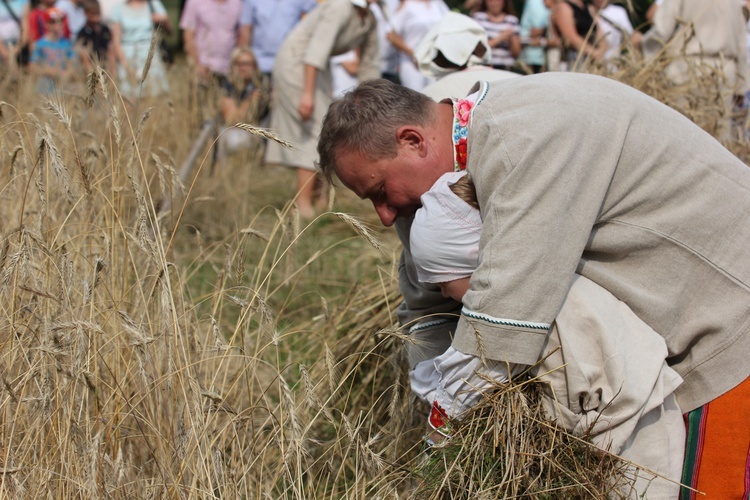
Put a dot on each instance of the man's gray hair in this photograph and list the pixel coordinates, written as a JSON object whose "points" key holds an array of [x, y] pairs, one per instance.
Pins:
{"points": [[366, 120]]}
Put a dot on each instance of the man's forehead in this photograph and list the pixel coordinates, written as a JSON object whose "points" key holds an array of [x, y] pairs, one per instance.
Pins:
{"points": [[357, 172], [353, 164], [349, 158]]}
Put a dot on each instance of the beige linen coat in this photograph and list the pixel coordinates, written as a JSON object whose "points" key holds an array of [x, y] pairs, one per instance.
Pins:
{"points": [[578, 173], [705, 42], [713, 32], [609, 381], [332, 28]]}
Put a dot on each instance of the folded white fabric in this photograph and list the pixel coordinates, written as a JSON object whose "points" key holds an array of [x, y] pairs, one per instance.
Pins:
{"points": [[456, 37], [445, 234]]}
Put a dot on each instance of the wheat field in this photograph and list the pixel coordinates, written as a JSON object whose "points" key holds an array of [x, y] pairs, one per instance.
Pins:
{"points": [[194, 338]]}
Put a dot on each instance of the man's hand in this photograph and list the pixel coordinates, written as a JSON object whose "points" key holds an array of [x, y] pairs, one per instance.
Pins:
{"points": [[503, 36], [434, 436]]}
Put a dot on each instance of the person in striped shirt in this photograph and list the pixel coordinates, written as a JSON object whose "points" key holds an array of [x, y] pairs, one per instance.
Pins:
{"points": [[502, 27]]}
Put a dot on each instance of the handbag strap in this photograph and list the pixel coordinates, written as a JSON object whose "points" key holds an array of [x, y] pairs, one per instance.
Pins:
{"points": [[151, 9], [13, 14]]}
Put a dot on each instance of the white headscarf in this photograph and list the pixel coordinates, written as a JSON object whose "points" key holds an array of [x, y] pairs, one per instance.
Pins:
{"points": [[444, 238], [360, 3], [455, 36]]}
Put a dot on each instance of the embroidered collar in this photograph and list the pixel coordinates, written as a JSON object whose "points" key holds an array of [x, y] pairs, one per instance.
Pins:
{"points": [[461, 116]]}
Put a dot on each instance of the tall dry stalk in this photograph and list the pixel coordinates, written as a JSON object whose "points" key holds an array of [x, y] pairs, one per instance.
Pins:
{"points": [[115, 381], [205, 354]]}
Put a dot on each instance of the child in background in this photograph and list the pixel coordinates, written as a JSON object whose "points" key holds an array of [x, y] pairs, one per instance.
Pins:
{"points": [[244, 98], [53, 56], [94, 39], [607, 374], [37, 24]]}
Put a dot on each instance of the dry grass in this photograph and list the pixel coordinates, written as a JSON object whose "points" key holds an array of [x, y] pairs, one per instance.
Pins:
{"points": [[221, 348], [515, 451], [147, 355], [701, 97]]}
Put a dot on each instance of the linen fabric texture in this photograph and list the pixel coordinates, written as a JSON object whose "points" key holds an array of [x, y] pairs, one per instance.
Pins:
{"points": [[580, 174], [332, 28], [608, 380], [455, 37], [445, 234], [606, 368], [713, 31]]}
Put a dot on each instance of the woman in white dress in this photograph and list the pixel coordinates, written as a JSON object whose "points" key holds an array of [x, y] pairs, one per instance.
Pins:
{"points": [[132, 28], [613, 24], [302, 86], [13, 18], [411, 22]]}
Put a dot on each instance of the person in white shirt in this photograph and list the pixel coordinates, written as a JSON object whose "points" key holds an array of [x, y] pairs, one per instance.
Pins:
{"points": [[613, 24], [383, 11], [606, 369], [344, 69], [411, 22]]}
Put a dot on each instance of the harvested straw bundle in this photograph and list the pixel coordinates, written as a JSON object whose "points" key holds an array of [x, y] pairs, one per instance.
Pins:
{"points": [[504, 447]]}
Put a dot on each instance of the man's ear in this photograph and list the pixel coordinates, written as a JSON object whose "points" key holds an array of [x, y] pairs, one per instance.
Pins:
{"points": [[411, 138]]}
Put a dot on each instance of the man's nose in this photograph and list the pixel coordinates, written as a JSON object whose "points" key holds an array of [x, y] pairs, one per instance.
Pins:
{"points": [[386, 213]]}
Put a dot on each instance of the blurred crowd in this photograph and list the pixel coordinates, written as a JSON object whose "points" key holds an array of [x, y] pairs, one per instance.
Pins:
{"points": [[281, 62]]}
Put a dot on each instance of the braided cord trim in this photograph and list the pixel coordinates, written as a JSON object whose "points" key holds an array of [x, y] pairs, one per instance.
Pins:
{"points": [[503, 321], [430, 324]]}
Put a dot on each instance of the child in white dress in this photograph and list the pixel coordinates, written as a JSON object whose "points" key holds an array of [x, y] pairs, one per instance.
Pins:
{"points": [[607, 373]]}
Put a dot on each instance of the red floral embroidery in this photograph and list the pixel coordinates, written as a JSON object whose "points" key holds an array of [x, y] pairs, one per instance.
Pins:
{"points": [[438, 416], [461, 117], [463, 111], [461, 153]]}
